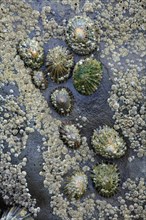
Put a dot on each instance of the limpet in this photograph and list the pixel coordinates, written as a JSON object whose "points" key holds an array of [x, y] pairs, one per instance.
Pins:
{"points": [[77, 185], [107, 142], [59, 62], [81, 35], [62, 100], [31, 53], [87, 75]]}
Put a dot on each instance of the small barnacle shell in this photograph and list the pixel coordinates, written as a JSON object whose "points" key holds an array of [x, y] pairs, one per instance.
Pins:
{"points": [[106, 179], [59, 62], [62, 100], [70, 135], [81, 35], [16, 213], [107, 142], [31, 53], [76, 185], [87, 75], [39, 79]]}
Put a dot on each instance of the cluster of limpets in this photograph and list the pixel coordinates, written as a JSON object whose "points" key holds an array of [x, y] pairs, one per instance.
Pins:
{"points": [[106, 176], [32, 53], [82, 37], [16, 213]]}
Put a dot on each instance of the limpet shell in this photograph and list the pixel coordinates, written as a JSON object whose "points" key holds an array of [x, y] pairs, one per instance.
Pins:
{"points": [[81, 35], [77, 185], [62, 100], [39, 79], [70, 135], [106, 179], [16, 213], [107, 142], [31, 53], [59, 62], [87, 75]]}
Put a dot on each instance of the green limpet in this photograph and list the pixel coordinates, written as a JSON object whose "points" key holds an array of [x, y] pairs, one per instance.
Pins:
{"points": [[62, 100], [81, 35], [87, 75], [31, 53], [70, 134], [16, 213], [106, 179], [107, 142], [77, 185], [38, 78], [59, 63]]}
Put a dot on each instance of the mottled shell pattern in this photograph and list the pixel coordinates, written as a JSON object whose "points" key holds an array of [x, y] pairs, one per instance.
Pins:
{"points": [[87, 75], [106, 179], [39, 80], [16, 213], [77, 185], [62, 100], [70, 135], [81, 35], [107, 142], [31, 53], [59, 63]]}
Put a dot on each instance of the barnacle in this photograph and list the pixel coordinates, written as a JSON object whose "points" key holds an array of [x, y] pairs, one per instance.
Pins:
{"points": [[106, 179], [87, 75], [38, 78], [16, 213], [70, 134], [31, 53], [59, 63], [77, 185], [107, 142], [62, 100], [81, 35]]}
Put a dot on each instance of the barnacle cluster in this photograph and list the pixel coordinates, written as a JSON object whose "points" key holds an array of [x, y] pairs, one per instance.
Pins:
{"points": [[87, 75], [16, 213], [59, 63], [38, 78], [62, 100], [31, 53], [70, 134], [106, 179], [77, 185], [107, 142], [81, 35]]}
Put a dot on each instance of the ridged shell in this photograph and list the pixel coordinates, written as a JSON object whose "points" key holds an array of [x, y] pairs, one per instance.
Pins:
{"points": [[70, 135], [106, 179], [62, 100], [39, 80], [59, 64], [107, 142], [81, 35], [87, 75], [31, 53], [16, 213], [77, 185]]}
